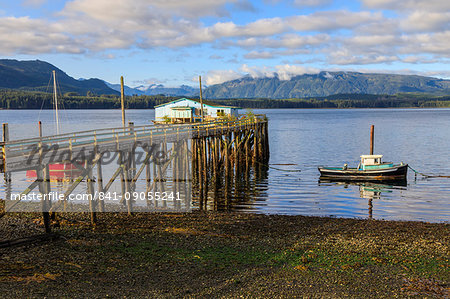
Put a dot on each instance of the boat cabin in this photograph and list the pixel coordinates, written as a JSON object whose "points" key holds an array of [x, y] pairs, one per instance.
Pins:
{"points": [[371, 159], [373, 162]]}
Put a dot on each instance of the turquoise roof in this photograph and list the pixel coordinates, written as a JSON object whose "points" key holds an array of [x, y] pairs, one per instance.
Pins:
{"points": [[205, 103]]}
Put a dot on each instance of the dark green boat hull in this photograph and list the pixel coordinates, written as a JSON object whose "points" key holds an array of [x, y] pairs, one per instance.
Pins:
{"points": [[397, 172]]}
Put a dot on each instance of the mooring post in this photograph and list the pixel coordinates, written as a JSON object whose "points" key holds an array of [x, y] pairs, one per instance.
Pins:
{"points": [[5, 132], [40, 129], [371, 138]]}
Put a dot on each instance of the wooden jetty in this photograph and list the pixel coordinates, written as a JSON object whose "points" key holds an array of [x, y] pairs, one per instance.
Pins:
{"points": [[209, 154]]}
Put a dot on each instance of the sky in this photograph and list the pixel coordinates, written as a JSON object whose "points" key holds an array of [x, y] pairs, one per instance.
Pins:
{"points": [[172, 42]]}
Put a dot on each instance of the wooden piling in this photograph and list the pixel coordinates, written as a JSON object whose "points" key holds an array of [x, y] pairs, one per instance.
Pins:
{"points": [[372, 129], [5, 132], [91, 192], [219, 155], [43, 177], [40, 129]]}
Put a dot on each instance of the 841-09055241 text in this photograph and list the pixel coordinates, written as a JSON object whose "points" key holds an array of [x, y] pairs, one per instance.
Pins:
{"points": [[106, 196]]}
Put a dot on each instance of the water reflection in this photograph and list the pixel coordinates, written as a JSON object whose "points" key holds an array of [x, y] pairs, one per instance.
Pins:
{"points": [[369, 190], [307, 137], [241, 189]]}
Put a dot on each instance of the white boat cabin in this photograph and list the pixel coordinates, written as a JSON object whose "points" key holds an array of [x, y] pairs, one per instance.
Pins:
{"points": [[188, 110], [370, 160]]}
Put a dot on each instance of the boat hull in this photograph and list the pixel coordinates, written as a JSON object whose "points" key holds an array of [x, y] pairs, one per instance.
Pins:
{"points": [[397, 172], [58, 171]]}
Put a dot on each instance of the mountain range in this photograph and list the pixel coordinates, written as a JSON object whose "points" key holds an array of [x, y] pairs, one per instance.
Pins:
{"points": [[156, 89], [325, 84], [36, 75]]}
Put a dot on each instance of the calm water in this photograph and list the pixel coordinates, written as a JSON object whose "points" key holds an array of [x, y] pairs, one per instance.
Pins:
{"points": [[309, 138]]}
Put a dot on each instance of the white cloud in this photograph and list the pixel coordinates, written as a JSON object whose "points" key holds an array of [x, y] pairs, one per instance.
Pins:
{"points": [[259, 55], [422, 5], [123, 9], [419, 31], [29, 36], [264, 27], [423, 21], [312, 3], [287, 71], [220, 76], [257, 71], [291, 41], [343, 58], [418, 59], [333, 20], [284, 72]]}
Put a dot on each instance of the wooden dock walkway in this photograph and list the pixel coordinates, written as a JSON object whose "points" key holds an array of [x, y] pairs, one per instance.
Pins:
{"points": [[207, 154]]}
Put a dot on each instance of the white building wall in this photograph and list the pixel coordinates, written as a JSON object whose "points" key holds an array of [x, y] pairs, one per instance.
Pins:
{"points": [[160, 112]]}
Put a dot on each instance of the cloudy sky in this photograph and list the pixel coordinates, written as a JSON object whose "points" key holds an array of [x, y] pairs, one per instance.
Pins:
{"points": [[173, 41]]}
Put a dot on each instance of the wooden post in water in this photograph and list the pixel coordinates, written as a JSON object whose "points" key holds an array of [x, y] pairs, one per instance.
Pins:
{"points": [[122, 100], [205, 170], [40, 129], [371, 139], [5, 132]]}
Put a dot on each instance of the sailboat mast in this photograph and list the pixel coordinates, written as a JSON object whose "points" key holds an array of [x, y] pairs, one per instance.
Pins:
{"points": [[201, 96], [55, 99]]}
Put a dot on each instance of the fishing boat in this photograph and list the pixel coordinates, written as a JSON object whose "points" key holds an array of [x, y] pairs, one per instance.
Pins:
{"points": [[371, 168]]}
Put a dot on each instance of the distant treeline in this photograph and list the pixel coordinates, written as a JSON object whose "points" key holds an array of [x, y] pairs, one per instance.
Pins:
{"points": [[14, 99], [347, 101]]}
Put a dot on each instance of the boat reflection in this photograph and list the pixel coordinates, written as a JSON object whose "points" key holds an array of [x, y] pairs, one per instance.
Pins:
{"points": [[368, 190]]}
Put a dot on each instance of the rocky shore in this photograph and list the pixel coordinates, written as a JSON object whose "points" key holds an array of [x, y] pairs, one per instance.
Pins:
{"points": [[219, 254]]}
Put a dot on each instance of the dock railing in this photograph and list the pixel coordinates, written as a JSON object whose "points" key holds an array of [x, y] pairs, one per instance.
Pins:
{"points": [[15, 153]]}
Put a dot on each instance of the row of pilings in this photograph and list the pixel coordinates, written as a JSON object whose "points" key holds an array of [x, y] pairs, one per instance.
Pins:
{"points": [[221, 163], [222, 158]]}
